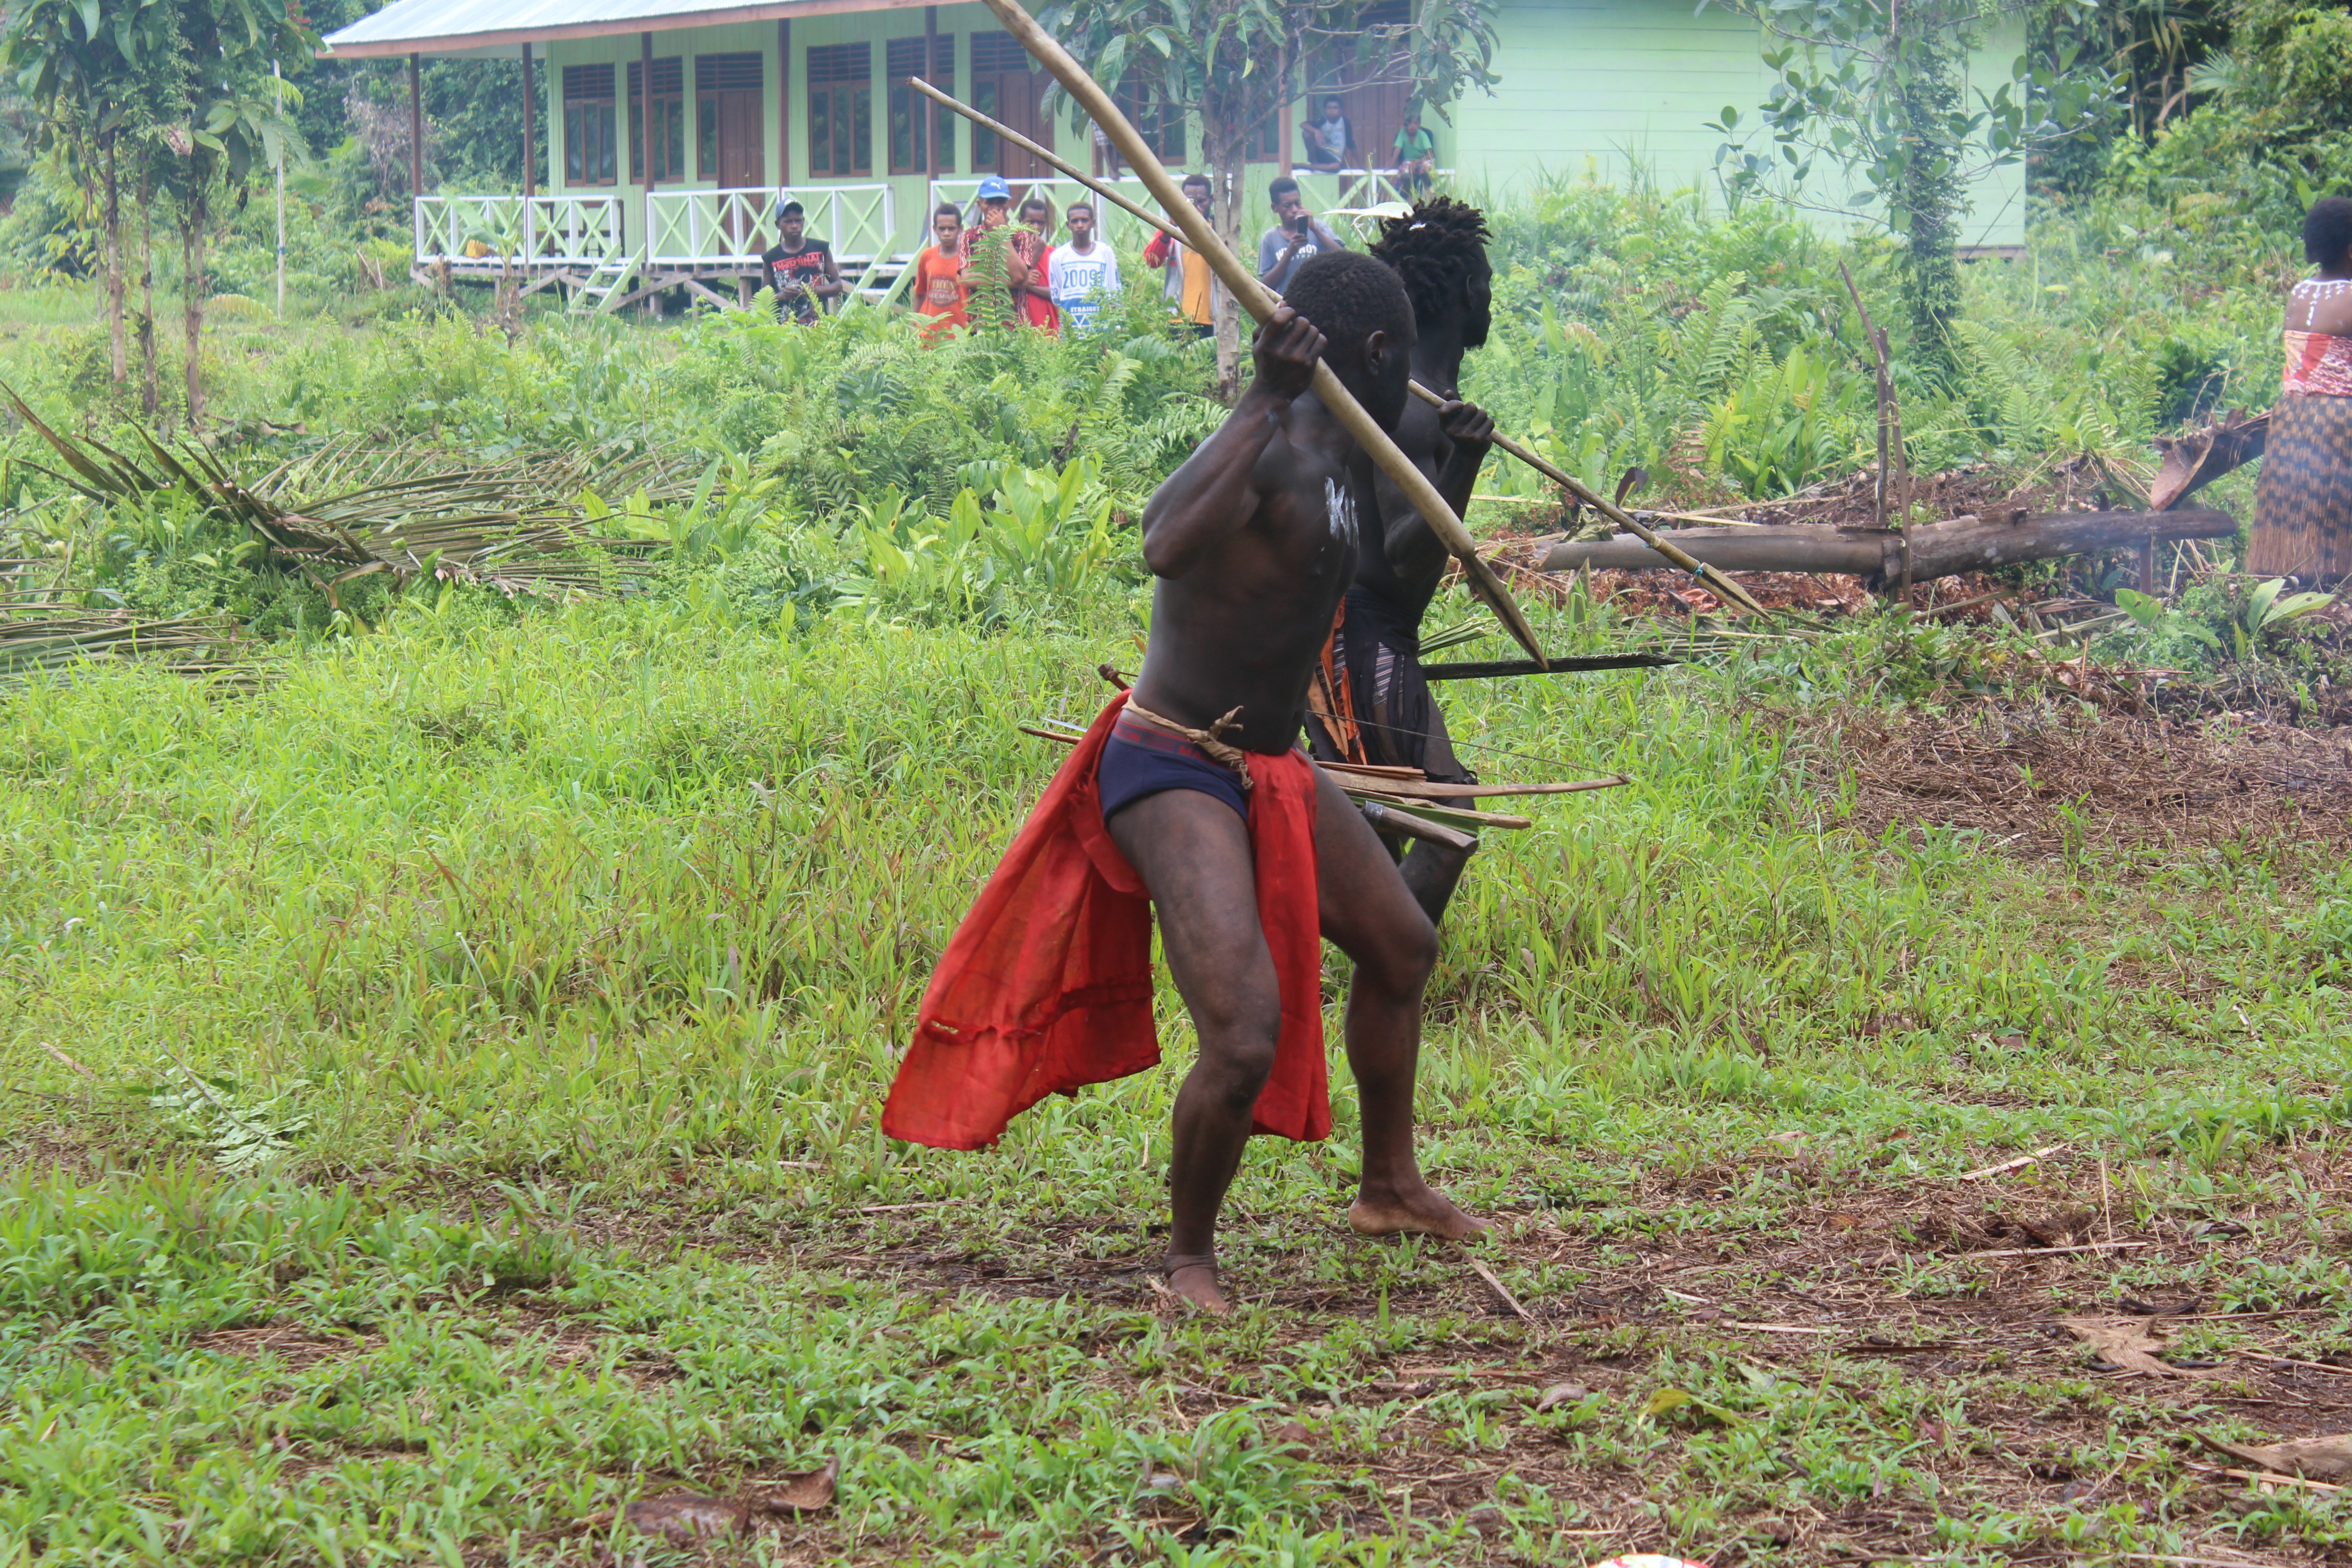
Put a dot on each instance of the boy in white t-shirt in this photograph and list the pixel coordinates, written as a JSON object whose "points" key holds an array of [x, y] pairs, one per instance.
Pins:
{"points": [[1083, 273]]}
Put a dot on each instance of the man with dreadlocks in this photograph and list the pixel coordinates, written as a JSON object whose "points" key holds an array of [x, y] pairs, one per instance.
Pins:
{"points": [[1370, 703]]}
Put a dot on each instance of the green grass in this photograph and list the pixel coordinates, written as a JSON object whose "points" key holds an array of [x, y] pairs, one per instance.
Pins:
{"points": [[443, 1079], [445, 1109]]}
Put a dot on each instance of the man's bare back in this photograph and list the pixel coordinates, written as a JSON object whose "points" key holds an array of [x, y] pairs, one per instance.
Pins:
{"points": [[1254, 540]]}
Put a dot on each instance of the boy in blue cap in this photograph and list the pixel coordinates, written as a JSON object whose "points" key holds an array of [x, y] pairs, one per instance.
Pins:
{"points": [[1023, 248]]}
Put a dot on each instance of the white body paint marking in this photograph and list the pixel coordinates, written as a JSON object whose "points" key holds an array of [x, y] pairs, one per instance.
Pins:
{"points": [[1340, 506]]}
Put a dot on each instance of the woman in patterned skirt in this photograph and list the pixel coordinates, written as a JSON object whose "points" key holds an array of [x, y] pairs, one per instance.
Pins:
{"points": [[2302, 505]]}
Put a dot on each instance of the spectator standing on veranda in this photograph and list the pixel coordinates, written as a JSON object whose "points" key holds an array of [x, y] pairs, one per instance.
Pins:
{"points": [[1083, 273], [1329, 140], [799, 270], [1036, 294], [1193, 287], [1296, 235], [1416, 158], [940, 292]]}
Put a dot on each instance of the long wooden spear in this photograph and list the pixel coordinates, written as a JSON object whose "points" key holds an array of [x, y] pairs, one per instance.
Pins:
{"points": [[1260, 302], [1722, 584]]}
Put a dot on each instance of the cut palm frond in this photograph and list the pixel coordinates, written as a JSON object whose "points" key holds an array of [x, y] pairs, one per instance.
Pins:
{"points": [[350, 511], [196, 645]]}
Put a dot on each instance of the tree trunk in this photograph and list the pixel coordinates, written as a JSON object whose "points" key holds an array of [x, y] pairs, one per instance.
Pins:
{"points": [[1934, 201], [1969, 543], [113, 220], [1221, 134], [151, 394], [192, 255]]}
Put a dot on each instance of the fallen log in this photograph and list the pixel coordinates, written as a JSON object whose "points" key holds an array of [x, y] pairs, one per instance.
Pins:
{"points": [[1968, 543]]}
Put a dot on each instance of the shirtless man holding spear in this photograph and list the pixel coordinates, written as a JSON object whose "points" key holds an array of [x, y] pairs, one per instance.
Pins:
{"points": [[1189, 792]]}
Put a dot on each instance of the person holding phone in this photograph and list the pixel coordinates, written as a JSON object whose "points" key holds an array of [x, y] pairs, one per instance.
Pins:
{"points": [[1296, 237]]}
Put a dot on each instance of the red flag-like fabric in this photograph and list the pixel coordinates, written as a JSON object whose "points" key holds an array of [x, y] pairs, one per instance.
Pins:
{"points": [[1047, 985]]}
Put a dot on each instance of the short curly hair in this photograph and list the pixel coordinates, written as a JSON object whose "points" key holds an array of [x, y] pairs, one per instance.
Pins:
{"points": [[1349, 296], [1435, 248], [2327, 230]]}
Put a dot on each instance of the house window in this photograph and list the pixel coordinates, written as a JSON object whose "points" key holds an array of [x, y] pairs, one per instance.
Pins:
{"points": [[1160, 123], [668, 120], [730, 127], [1006, 88], [588, 131], [841, 110], [904, 57]]}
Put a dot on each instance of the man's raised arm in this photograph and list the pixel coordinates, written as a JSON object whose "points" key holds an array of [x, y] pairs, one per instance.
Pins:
{"points": [[1215, 492], [1405, 537]]}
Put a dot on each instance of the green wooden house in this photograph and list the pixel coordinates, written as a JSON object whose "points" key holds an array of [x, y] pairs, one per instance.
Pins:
{"points": [[663, 133]]}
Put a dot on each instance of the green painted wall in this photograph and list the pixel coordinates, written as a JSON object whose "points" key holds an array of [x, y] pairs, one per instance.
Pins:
{"points": [[1594, 86], [1588, 86]]}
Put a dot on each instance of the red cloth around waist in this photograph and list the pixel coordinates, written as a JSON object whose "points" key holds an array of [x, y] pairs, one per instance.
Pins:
{"points": [[1047, 985]]}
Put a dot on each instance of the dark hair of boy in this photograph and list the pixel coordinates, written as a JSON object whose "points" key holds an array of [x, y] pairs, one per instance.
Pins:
{"points": [[1349, 297], [2327, 230], [1280, 186], [948, 209], [1439, 248], [1189, 180]]}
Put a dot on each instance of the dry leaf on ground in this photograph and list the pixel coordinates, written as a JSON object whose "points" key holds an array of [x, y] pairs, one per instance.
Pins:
{"points": [[1560, 1393], [1291, 1438], [803, 1493], [2127, 1343], [2324, 1458], [685, 1518]]}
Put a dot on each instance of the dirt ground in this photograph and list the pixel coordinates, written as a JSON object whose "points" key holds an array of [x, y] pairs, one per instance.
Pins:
{"points": [[2044, 780], [1959, 1287]]}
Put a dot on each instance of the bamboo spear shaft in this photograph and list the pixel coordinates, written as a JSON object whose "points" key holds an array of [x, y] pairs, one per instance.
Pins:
{"points": [[1260, 302], [1730, 590]]}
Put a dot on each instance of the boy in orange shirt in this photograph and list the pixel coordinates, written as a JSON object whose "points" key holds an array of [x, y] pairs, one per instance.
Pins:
{"points": [[939, 289], [1193, 287]]}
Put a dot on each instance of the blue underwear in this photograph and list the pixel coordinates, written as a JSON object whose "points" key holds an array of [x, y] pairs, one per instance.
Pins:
{"points": [[1141, 759]]}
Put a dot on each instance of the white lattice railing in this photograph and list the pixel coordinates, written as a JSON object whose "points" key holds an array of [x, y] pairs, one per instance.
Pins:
{"points": [[730, 227], [1109, 222], [522, 231], [1352, 190]]}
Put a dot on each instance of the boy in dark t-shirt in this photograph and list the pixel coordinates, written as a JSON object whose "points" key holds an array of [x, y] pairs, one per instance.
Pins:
{"points": [[799, 270]]}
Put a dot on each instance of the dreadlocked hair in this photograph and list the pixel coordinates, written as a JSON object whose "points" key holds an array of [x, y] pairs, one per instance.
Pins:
{"points": [[1434, 248]]}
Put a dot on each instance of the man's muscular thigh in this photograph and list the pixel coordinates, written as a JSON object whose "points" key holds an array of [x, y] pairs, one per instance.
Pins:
{"points": [[1192, 851]]}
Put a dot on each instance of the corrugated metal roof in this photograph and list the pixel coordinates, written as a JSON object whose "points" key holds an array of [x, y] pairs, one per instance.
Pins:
{"points": [[503, 27]]}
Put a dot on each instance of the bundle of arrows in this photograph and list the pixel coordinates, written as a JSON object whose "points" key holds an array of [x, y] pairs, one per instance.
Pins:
{"points": [[1403, 800]]}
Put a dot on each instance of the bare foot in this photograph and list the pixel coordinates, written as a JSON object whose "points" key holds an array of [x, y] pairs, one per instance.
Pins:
{"points": [[1417, 1210], [1194, 1280]]}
